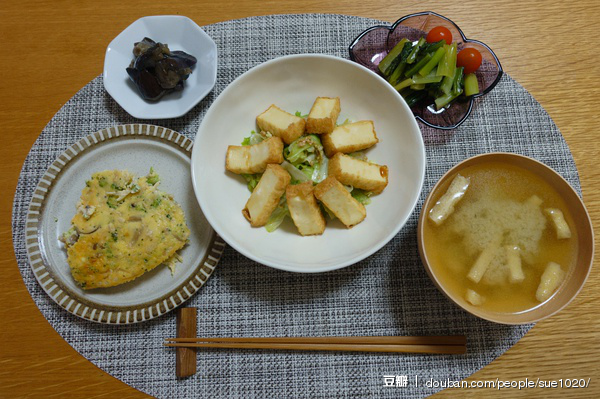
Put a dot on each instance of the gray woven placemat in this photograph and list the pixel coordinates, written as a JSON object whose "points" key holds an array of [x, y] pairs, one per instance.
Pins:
{"points": [[387, 294]]}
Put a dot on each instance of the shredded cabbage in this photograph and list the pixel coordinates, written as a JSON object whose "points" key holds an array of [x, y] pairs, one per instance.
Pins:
{"points": [[306, 154], [256, 138], [278, 215], [305, 160], [297, 175], [252, 180], [362, 196], [328, 212]]}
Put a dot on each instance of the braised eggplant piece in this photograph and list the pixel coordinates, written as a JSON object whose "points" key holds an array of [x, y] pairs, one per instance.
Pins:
{"points": [[184, 58], [141, 47], [147, 84], [156, 70]]}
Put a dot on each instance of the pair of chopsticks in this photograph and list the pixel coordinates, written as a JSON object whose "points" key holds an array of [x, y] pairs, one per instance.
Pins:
{"points": [[456, 344]]}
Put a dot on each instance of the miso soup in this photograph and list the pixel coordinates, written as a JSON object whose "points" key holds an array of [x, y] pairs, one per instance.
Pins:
{"points": [[503, 217]]}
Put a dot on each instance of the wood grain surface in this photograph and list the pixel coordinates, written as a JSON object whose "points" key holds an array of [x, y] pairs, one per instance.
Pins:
{"points": [[54, 48], [187, 327]]}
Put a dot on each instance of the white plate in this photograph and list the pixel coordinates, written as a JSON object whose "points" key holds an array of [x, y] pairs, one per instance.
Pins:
{"points": [[293, 83], [135, 148], [180, 33]]}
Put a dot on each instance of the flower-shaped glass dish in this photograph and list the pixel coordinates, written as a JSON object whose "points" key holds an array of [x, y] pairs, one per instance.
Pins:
{"points": [[372, 45]]}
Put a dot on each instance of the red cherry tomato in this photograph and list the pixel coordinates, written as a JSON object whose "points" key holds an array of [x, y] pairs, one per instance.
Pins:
{"points": [[469, 58], [439, 33]]}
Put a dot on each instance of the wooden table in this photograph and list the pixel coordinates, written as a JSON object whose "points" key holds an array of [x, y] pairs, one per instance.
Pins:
{"points": [[54, 48]]}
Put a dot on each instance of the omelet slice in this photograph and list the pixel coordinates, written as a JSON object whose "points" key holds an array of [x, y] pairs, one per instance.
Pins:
{"points": [[123, 228]]}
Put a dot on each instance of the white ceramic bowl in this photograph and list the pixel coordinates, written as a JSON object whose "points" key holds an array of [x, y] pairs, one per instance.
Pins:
{"points": [[180, 33], [292, 83]]}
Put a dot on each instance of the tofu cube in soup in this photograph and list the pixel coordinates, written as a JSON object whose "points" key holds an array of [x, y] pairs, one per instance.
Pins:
{"points": [[551, 279], [474, 298], [265, 197], [339, 201], [357, 173], [281, 124], [513, 261], [254, 158], [323, 115], [560, 224], [304, 210], [350, 137], [484, 259], [445, 205]]}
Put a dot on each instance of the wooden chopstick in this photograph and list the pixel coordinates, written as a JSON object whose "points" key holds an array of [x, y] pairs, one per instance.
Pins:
{"points": [[432, 344], [439, 349], [400, 340]]}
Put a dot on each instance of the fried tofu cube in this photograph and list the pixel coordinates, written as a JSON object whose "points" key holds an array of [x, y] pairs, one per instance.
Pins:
{"points": [[339, 201], [551, 279], [445, 205], [254, 158], [534, 201], [483, 260], [265, 197], [323, 115], [474, 298], [560, 224], [350, 137], [360, 174], [513, 261], [281, 124], [304, 210]]}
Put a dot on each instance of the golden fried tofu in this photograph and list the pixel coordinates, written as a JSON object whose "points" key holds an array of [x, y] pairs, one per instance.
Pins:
{"points": [[350, 137], [359, 174], [339, 201], [560, 224], [281, 124], [266, 195], [323, 115], [551, 279], [444, 207], [254, 158], [304, 210], [123, 228]]}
